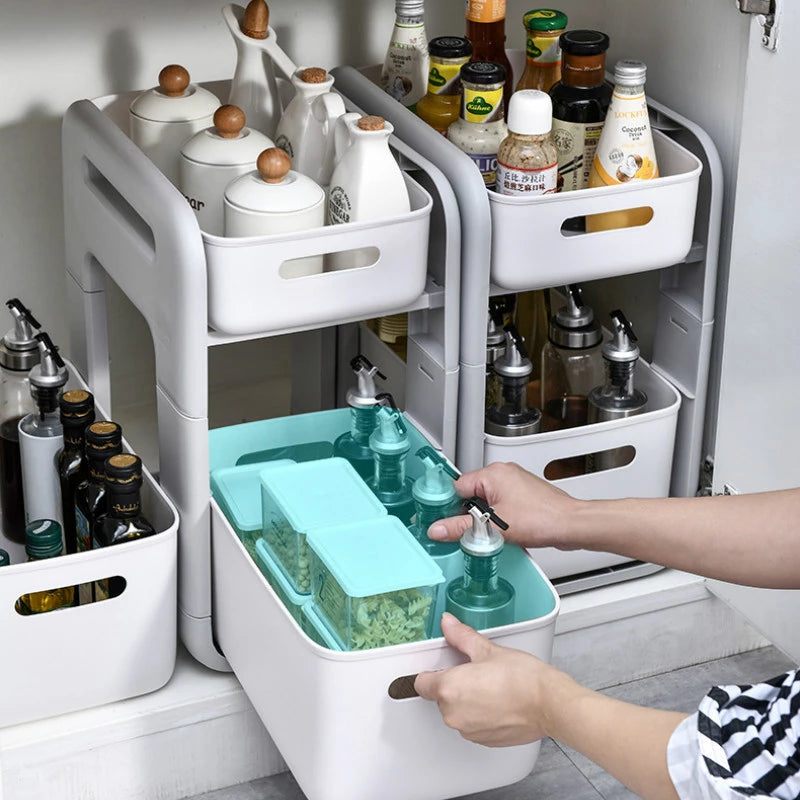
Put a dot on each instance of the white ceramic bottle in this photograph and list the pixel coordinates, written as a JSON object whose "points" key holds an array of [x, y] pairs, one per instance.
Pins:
{"points": [[275, 199], [164, 117], [306, 128], [213, 158]]}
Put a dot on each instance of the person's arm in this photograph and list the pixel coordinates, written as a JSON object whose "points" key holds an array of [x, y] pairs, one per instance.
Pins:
{"points": [[751, 539], [506, 697]]}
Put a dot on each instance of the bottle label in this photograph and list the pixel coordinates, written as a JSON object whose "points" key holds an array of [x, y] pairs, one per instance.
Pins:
{"points": [[405, 69], [482, 105], [82, 530], [625, 151], [486, 10], [519, 181], [445, 79], [577, 144], [544, 51], [339, 207], [487, 164]]}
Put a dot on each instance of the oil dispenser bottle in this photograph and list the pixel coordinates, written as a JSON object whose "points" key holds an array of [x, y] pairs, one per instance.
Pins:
{"points": [[19, 353], [495, 347], [354, 445], [389, 444], [435, 498], [41, 436], [481, 598], [511, 415], [617, 397]]}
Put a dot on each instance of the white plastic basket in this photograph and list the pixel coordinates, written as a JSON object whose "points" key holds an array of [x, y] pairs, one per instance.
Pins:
{"points": [[75, 658]]}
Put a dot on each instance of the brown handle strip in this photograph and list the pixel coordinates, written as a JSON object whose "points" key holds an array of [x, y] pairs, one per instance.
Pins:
{"points": [[402, 688]]}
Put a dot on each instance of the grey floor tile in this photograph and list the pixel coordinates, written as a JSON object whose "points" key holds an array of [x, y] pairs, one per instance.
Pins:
{"points": [[242, 791], [277, 787]]}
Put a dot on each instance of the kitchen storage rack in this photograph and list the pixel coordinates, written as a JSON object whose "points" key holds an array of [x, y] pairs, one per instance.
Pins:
{"points": [[75, 658], [494, 254]]}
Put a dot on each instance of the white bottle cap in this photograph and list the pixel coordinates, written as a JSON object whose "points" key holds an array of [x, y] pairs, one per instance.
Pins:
{"points": [[628, 72], [530, 112]]}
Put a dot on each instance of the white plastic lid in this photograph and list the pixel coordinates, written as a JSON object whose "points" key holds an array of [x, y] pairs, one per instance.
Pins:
{"points": [[208, 147], [530, 112], [296, 192]]}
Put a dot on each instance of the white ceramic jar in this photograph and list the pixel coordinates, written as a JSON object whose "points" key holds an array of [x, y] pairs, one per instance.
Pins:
{"points": [[275, 199], [164, 117], [213, 158], [306, 128]]}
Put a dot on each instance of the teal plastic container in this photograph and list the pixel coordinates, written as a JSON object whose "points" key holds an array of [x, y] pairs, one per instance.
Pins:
{"points": [[373, 583], [312, 624], [294, 601], [302, 497], [237, 490]]}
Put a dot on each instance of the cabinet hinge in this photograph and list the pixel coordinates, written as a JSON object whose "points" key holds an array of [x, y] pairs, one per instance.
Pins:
{"points": [[768, 15]]}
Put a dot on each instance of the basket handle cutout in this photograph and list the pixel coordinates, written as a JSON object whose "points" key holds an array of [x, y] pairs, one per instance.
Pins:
{"points": [[65, 597], [584, 463], [339, 261], [402, 688], [608, 221]]}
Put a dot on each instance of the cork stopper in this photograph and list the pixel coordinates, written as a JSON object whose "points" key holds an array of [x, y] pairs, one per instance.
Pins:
{"points": [[273, 164], [229, 121], [313, 75], [371, 123], [256, 19], [173, 80]]}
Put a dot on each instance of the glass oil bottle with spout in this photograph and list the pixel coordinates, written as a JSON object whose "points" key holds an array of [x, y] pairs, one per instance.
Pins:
{"points": [[435, 498], [511, 415], [481, 598], [617, 397], [354, 445], [19, 353], [390, 446]]}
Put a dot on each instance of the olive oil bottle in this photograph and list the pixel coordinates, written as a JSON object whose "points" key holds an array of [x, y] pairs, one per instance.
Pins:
{"points": [[43, 540]]}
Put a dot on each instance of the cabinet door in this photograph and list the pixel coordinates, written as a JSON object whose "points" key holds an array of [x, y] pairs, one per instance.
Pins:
{"points": [[758, 429]]}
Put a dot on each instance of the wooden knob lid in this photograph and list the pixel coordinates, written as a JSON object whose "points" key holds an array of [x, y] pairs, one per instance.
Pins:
{"points": [[273, 164], [371, 123], [229, 121], [256, 19], [173, 80], [313, 75]]}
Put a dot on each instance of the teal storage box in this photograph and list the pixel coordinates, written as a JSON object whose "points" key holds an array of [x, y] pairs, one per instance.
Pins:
{"points": [[373, 583], [293, 601], [298, 498], [315, 628], [238, 492]]}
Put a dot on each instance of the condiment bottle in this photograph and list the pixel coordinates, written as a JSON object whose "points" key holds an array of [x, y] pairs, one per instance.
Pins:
{"points": [[5, 560], [43, 540], [440, 107], [527, 159], [486, 29], [19, 353], [305, 131], [275, 199], [625, 151], [405, 69], [214, 157], [495, 347], [163, 118], [543, 27], [481, 126], [580, 103], [435, 498]]}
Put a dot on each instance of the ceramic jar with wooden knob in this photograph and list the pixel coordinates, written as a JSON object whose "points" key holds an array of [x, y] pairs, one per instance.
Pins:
{"points": [[276, 199], [164, 117], [213, 158]]}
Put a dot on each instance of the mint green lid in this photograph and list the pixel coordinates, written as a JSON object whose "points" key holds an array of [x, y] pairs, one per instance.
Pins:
{"points": [[390, 436], [43, 538], [5, 560], [374, 557], [316, 494], [238, 491], [545, 19], [435, 486]]}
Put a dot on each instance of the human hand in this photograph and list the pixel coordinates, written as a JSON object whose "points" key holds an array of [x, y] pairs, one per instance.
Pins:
{"points": [[499, 698], [536, 511]]}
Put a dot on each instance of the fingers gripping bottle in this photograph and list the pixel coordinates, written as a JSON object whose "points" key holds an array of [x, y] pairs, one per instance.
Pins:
{"points": [[435, 498], [390, 446], [354, 445], [481, 598]]}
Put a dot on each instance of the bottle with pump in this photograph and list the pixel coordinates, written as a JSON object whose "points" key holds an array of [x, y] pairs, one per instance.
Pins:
{"points": [[389, 444], [19, 353], [617, 397], [362, 399], [41, 436], [435, 498], [481, 598], [511, 415], [123, 521], [405, 69], [43, 540], [486, 29], [441, 105]]}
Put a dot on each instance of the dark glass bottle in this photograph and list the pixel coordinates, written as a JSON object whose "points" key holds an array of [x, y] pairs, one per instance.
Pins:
{"points": [[580, 102], [123, 521], [486, 29], [43, 540]]}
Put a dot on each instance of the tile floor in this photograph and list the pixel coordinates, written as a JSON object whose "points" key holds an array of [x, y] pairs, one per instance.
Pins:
{"points": [[561, 772]]}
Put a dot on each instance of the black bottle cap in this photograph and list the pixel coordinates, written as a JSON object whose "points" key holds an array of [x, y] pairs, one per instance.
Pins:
{"points": [[483, 72], [77, 408], [123, 470], [450, 47], [583, 42]]}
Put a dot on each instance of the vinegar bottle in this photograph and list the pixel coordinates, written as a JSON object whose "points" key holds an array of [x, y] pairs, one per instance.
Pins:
{"points": [[486, 29]]}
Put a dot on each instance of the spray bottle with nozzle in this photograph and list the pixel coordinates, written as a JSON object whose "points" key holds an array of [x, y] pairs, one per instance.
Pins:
{"points": [[354, 445], [390, 446], [481, 598], [435, 498]]}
